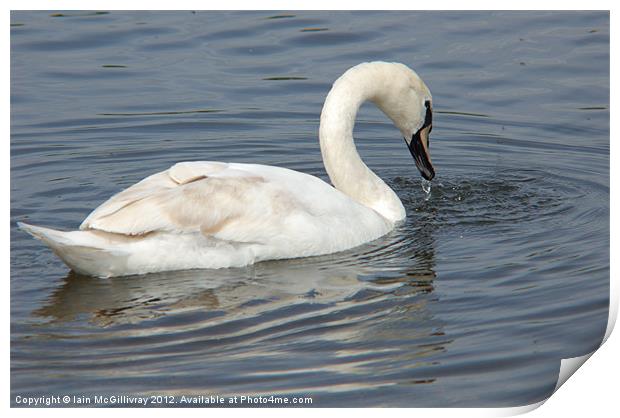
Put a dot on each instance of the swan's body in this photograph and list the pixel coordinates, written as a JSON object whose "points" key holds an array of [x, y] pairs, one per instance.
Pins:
{"points": [[213, 215]]}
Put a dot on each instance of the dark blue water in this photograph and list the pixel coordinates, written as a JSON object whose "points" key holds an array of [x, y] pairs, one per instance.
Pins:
{"points": [[499, 274]]}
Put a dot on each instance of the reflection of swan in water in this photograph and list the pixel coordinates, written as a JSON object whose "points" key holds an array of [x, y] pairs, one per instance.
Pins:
{"points": [[158, 294], [146, 297], [241, 292], [205, 214]]}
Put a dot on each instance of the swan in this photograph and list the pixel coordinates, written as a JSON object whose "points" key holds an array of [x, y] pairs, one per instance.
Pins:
{"points": [[204, 214]]}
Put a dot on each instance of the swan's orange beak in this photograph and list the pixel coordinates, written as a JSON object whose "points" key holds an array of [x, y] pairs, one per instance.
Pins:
{"points": [[420, 150]]}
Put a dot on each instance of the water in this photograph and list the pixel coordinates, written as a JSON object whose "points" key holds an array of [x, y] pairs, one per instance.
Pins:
{"points": [[497, 274]]}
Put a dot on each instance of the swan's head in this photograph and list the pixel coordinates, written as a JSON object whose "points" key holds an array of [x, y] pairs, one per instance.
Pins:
{"points": [[405, 99]]}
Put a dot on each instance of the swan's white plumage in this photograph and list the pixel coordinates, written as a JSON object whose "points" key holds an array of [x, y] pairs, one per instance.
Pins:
{"points": [[214, 214]]}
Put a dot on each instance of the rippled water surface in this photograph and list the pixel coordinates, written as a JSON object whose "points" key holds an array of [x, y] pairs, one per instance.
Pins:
{"points": [[497, 274]]}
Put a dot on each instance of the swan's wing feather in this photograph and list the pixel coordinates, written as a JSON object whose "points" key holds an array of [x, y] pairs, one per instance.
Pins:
{"points": [[147, 187], [178, 174], [186, 172], [212, 198]]}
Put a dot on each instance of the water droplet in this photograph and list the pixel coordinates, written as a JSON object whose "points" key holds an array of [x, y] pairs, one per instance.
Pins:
{"points": [[426, 186]]}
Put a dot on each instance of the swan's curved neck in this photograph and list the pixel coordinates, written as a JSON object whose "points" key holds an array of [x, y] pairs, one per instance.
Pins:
{"points": [[345, 168]]}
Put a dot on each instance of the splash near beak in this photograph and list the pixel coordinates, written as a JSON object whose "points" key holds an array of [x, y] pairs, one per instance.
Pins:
{"points": [[419, 148]]}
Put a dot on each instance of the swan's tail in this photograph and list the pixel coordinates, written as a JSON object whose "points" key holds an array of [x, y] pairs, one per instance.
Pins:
{"points": [[83, 251]]}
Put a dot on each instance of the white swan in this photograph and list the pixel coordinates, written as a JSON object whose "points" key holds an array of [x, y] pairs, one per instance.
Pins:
{"points": [[213, 214]]}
